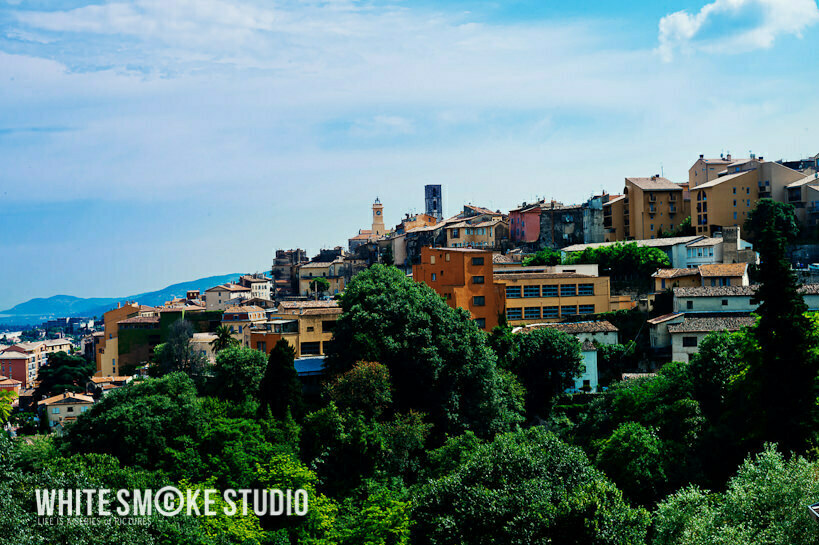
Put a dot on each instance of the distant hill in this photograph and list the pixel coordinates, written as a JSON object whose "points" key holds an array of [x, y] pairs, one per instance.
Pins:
{"points": [[36, 310]]}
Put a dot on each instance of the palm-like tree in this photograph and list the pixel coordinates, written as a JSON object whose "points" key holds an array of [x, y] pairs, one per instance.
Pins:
{"points": [[7, 397], [224, 339]]}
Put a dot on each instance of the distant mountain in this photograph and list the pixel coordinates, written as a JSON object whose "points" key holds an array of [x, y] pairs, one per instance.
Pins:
{"points": [[35, 310]]}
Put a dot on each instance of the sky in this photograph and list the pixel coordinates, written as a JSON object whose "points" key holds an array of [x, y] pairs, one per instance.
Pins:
{"points": [[150, 142]]}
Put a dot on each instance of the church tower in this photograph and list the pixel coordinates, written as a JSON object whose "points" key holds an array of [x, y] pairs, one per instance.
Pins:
{"points": [[378, 218]]}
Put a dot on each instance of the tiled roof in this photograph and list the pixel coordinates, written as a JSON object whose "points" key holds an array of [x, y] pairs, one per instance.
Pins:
{"points": [[14, 355], [5, 381], [664, 318], [317, 264], [321, 311], [714, 291], [655, 184], [712, 323], [480, 210], [649, 243], [613, 199], [102, 380], [242, 310], [601, 326], [675, 273], [56, 342], [805, 180], [228, 287], [707, 241], [285, 305], [141, 320], [723, 269], [68, 398], [499, 258]]}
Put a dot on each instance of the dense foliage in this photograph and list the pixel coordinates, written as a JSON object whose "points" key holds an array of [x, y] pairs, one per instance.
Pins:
{"points": [[623, 260]]}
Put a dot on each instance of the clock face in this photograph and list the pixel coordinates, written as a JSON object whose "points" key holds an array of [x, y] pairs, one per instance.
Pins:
{"points": [[378, 212]]}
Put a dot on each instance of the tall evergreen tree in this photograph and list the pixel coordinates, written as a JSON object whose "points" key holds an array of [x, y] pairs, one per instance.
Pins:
{"points": [[781, 380], [280, 388]]}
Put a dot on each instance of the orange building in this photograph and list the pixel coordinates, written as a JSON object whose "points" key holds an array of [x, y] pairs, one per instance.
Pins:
{"points": [[464, 277]]}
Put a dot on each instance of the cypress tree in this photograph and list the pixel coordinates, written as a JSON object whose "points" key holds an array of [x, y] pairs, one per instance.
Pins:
{"points": [[280, 388]]}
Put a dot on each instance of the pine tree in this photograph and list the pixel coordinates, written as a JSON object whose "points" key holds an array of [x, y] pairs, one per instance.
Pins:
{"points": [[280, 388]]}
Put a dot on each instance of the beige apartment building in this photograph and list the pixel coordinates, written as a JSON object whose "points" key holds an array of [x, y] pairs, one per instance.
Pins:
{"points": [[108, 347], [726, 200], [552, 296], [332, 271], [306, 325], [222, 296], [652, 205], [613, 226]]}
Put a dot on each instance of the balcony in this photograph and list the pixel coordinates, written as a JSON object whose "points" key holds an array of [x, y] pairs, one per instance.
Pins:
{"points": [[672, 209]]}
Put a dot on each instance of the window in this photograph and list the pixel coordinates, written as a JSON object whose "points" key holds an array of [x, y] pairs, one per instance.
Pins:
{"points": [[477, 261], [514, 314], [725, 302], [689, 342], [689, 305], [69, 409], [433, 277], [749, 202], [747, 190], [735, 202], [735, 191], [432, 260], [550, 312], [477, 279], [327, 326], [531, 313], [549, 291], [512, 292], [261, 346], [735, 215], [446, 257], [55, 410], [478, 301], [531, 291], [568, 290], [585, 289], [652, 226], [662, 283], [310, 329], [480, 322], [568, 310], [311, 348], [586, 309]]}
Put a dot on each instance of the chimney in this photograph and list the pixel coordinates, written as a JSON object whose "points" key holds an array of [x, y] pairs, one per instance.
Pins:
{"points": [[761, 158], [702, 156], [728, 157]]}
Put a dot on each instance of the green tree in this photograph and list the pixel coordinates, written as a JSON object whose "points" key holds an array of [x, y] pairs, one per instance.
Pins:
{"points": [[684, 229], [7, 397], [631, 457], [178, 352], [547, 361], [224, 339], [781, 382], [623, 261], [280, 391], [319, 285], [143, 423], [437, 357], [365, 388], [546, 256], [238, 372], [63, 373], [525, 487], [765, 502]]}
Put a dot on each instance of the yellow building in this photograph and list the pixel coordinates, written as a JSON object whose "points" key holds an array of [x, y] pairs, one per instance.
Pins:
{"points": [[484, 234], [613, 211], [240, 320], [108, 349], [306, 325], [64, 408], [727, 200], [551, 297], [652, 205], [332, 271], [704, 170]]}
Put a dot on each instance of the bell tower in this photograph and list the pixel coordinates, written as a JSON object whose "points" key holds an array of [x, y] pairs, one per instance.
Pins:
{"points": [[378, 218]]}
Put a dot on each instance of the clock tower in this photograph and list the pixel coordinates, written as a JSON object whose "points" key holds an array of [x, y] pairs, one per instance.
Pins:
{"points": [[378, 218]]}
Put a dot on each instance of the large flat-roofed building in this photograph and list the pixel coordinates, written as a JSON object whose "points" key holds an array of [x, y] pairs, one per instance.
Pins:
{"points": [[653, 205], [552, 296]]}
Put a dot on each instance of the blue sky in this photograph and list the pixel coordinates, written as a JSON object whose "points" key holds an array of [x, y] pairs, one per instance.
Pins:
{"points": [[149, 142]]}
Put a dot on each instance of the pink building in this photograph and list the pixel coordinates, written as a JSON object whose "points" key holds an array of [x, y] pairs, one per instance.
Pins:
{"points": [[524, 223]]}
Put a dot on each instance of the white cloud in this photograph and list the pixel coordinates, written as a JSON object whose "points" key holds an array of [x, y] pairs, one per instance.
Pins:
{"points": [[682, 30]]}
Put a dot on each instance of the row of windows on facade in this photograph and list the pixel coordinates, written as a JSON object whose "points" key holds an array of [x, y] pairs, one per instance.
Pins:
{"points": [[534, 313], [475, 279], [456, 233], [56, 410], [477, 261], [708, 251], [564, 290], [482, 244]]}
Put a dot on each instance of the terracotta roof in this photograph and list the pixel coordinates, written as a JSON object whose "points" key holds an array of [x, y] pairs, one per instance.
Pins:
{"points": [[601, 326], [675, 273], [480, 210], [56, 342], [714, 291], [242, 310], [5, 381], [707, 241], [664, 318], [650, 242], [141, 320], [102, 380], [317, 264], [712, 323], [613, 199], [363, 236], [498, 258], [723, 269], [284, 305], [321, 311], [655, 184], [68, 397], [228, 287]]}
